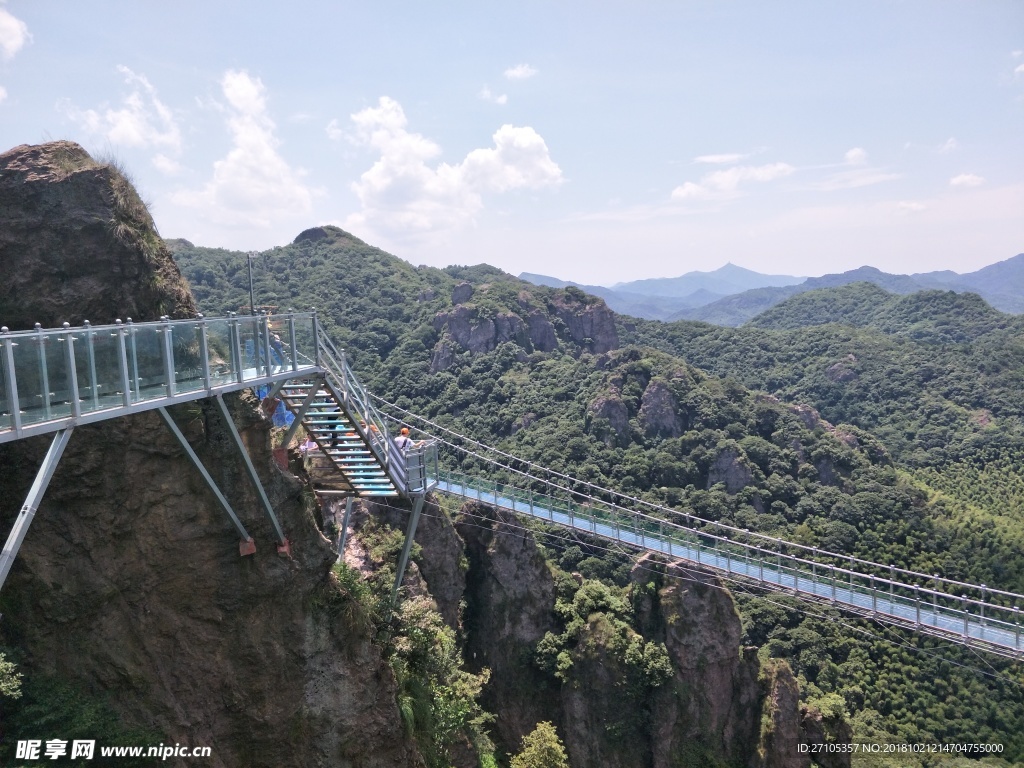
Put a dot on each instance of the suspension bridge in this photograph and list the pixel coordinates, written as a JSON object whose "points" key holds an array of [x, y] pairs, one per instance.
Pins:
{"points": [[53, 380]]}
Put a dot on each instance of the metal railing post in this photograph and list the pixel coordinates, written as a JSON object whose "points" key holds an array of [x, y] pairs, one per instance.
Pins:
{"points": [[69, 356], [132, 333], [236, 346], [90, 347], [168, 355], [982, 612], [12, 382], [265, 329], [204, 351], [44, 376], [122, 347], [293, 342], [316, 339]]}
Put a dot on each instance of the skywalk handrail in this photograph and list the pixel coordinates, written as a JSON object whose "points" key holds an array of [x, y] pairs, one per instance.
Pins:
{"points": [[54, 378]]}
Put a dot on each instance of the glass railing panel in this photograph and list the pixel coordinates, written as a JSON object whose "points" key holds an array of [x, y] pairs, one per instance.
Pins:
{"points": [[305, 340], [279, 343], [101, 352], [146, 362], [219, 339], [252, 350], [188, 357], [35, 390], [85, 370]]}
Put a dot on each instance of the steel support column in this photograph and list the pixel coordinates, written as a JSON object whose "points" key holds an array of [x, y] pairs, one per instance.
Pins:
{"points": [[35, 496], [246, 546], [253, 476], [410, 534], [344, 528]]}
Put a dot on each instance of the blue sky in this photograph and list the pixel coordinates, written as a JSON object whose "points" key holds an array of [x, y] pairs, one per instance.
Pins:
{"points": [[593, 141]]}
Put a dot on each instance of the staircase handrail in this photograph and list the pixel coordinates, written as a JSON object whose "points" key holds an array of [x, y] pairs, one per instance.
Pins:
{"points": [[351, 390]]}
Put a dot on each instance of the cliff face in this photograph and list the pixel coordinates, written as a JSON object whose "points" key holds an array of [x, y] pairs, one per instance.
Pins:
{"points": [[129, 585], [709, 712]]}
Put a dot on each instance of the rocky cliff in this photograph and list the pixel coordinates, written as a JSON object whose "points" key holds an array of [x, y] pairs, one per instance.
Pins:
{"points": [[129, 589]]}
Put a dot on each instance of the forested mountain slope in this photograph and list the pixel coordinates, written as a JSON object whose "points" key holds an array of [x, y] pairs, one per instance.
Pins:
{"points": [[714, 420]]}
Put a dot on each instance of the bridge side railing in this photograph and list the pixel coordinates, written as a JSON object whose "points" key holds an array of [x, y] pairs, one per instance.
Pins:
{"points": [[70, 372], [767, 561]]}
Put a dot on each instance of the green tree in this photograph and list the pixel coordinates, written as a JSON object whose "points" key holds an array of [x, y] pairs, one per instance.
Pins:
{"points": [[541, 749]]}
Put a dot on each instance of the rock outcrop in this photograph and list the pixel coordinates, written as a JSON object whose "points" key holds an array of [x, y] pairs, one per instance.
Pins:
{"points": [[659, 410], [77, 243], [589, 325], [711, 711], [509, 600]]}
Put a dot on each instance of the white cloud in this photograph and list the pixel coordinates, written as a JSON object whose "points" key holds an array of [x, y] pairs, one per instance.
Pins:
{"points": [[3, 94], [403, 194], [13, 34], [860, 177], [166, 165], [966, 180], [1019, 70], [910, 206], [253, 185], [142, 121], [486, 95], [720, 185], [520, 72], [719, 159], [948, 146], [333, 130], [856, 156]]}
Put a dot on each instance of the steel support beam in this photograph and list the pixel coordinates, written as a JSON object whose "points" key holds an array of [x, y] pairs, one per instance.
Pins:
{"points": [[301, 414], [247, 546], [410, 534], [253, 476], [274, 390], [35, 496]]}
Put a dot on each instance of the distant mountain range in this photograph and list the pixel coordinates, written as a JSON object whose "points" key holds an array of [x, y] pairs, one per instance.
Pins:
{"points": [[733, 295]]}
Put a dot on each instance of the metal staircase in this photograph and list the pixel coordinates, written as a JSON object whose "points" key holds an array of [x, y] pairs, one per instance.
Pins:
{"points": [[347, 444]]}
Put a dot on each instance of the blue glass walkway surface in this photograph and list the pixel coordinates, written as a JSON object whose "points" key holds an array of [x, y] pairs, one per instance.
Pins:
{"points": [[969, 621], [55, 378]]}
